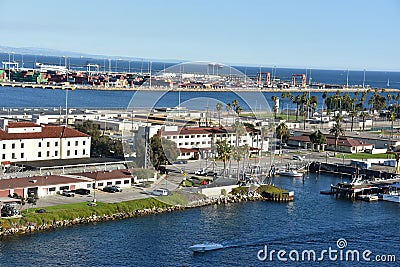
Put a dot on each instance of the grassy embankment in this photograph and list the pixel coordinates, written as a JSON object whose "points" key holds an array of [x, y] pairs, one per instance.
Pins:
{"points": [[364, 156], [83, 210], [264, 190]]}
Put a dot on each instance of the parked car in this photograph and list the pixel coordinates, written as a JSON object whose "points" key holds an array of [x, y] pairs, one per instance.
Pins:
{"points": [[181, 161], [200, 172], [297, 157], [68, 193], [82, 191], [112, 189], [161, 192], [211, 173]]}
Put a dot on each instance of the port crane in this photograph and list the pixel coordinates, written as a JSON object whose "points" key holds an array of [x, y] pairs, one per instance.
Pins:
{"points": [[267, 81], [303, 80]]}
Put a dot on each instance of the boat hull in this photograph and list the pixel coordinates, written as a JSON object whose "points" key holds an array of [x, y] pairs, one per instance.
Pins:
{"points": [[205, 247]]}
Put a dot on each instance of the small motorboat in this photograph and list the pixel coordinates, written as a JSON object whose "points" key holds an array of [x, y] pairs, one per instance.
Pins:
{"points": [[290, 173], [206, 246]]}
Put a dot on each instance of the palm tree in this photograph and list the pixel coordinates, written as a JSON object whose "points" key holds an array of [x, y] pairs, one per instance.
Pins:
{"points": [[240, 130], [224, 152], [336, 130], [219, 108], [228, 108], [363, 117], [235, 104], [282, 132]]}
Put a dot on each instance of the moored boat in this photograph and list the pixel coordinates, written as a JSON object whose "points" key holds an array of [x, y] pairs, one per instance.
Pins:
{"points": [[290, 173]]}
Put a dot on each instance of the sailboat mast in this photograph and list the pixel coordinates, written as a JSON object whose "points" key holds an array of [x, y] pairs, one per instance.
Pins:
{"points": [[347, 79]]}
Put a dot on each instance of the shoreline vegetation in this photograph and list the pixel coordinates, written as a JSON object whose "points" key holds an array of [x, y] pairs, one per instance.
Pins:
{"points": [[241, 89], [87, 212]]}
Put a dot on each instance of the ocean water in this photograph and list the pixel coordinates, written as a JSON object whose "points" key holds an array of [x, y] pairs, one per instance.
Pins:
{"points": [[312, 222], [377, 79]]}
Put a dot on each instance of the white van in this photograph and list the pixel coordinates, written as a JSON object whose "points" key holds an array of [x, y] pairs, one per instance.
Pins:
{"points": [[160, 192]]}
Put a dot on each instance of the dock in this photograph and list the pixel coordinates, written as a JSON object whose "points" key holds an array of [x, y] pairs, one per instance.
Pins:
{"points": [[362, 189]]}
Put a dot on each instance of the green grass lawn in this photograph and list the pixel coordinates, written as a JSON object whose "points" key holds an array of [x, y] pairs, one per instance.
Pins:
{"points": [[83, 210], [364, 156]]}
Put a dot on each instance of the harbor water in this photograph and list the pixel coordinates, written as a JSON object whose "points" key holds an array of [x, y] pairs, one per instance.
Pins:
{"points": [[312, 222]]}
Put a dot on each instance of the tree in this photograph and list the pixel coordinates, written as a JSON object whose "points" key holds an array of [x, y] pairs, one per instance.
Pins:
{"points": [[101, 145], [336, 130], [224, 152], [282, 132], [162, 151], [363, 117], [318, 138], [219, 108]]}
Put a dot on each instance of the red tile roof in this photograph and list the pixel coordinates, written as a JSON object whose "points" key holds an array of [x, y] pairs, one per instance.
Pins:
{"points": [[13, 124], [36, 181], [106, 175], [330, 140], [48, 131]]}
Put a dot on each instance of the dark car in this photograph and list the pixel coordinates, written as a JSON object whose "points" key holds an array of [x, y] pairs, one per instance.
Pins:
{"points": [[211, 173], [82, 191], [41, 211], [112, 189]]}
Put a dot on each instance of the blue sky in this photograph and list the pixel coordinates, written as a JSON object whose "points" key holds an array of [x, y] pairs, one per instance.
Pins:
{"points": [[341, 34]]}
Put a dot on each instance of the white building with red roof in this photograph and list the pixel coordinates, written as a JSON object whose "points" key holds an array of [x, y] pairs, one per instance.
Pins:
{"points": [[194, 142], [27, 141]]}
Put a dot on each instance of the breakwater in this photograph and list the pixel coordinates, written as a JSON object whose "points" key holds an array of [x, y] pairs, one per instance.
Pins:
{"points": [[16, 229]]}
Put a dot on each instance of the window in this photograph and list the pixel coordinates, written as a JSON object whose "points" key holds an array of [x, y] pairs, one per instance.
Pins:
{"points": [[174, 137], [68, 153], [22, 145], [76, 152], [4, 146], [192, 136], [13, 146], [56, 144], [48, 144], [52, 189], [118, 182], [64, 187], [109, 183], [56, 153], [76, 143], [69, 143], [126, 181], [22, 155], [198, 136], [89, 186], [48, 154], [13, 155], [39, 154], [100, 184], [40, 144], [84, 143], [3, 156], [84, 152]]}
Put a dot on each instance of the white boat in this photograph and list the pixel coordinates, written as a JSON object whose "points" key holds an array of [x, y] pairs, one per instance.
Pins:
{"points": [[291, 173], [206, 246], [393, 195]]}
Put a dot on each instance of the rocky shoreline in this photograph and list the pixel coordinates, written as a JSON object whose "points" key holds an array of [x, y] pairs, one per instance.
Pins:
{"points": [[16, 229]]}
